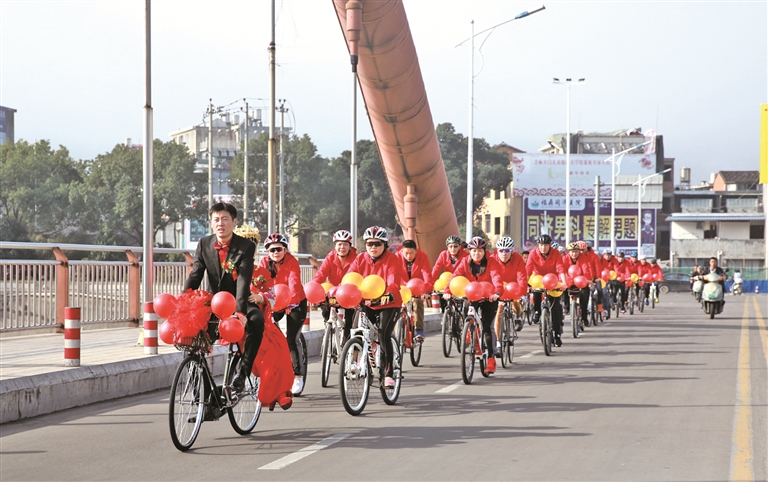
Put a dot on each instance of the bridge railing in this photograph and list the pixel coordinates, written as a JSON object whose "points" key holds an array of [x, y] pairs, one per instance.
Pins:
{"points": [[35, 292]]}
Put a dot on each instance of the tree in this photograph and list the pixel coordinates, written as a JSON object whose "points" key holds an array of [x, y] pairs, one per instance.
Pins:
{"points": [[34, 187], [491, 168], [110, 197]]}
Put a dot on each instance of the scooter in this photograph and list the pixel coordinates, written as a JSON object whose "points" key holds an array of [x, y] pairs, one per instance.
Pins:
{"points": [[736, 289], [712, 295], [698, 285]]}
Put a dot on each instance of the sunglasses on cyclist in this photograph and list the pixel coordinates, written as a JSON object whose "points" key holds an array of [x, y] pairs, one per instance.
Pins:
{"points": [[276, 249], [374, 244], [505, 250]]}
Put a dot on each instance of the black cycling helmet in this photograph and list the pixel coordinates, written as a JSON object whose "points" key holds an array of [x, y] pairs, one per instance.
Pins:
{"points": [[545, 239], [477, 243], [453, 239]]}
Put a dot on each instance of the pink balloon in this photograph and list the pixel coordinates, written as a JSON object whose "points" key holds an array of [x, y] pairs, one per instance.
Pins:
{"points": [[315, 292], [165, 332], [231, 330], [549, 281], [164, 305], [223, 304], [580, 282], [417, 286], [474, 291], [574, 271], [282, 297], [349, 295]]}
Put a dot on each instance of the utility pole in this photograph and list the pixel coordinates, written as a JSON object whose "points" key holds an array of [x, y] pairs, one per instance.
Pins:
{"points": [[148, 171], [282, 111], [271, 145], [245, 165], [210, 159], [597, 215]]}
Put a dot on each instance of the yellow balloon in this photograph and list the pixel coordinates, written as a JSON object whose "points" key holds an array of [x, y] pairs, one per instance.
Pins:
{"points": [[603, 282], [372, 287], [352, 278], [634, 277], [405, 293], [440, 284], [446, 276], [613, 275], [457, 285], [535, 281], [555, 293], [327, 285]]}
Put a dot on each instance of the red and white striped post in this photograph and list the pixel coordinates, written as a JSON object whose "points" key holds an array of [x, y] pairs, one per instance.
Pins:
{"points": [[150, 329], [435, 300], [306, 323], [71, 336]]}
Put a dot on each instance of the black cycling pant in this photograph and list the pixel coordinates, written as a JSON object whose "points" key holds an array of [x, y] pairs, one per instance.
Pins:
{"points": [[555, 308], [385, 319], [488, 316], [294, 320]]}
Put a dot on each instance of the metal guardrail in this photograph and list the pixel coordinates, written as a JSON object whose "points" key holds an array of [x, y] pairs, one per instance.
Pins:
{"points": [[34, 292]]}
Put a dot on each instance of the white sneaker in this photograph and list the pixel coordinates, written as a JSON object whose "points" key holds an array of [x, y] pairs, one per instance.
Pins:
{"points": [[298, 385]]}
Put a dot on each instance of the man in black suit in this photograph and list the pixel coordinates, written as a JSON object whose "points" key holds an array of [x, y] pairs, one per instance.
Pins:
{"points": [[228, 260]]}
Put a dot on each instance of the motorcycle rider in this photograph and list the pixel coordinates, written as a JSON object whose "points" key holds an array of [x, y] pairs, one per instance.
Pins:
{"points": [[714, 268], [737, 282]]}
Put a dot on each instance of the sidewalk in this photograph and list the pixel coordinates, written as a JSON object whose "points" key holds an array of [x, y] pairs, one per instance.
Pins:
{"points": [[34, 380]]}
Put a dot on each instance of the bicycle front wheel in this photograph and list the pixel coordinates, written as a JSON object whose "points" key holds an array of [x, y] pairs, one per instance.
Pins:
{"points": [[632, 302], [447, 328], [354, 374], [246, 409], [301, 347], [506, 338], [325, 355], [390, 395], [575, 318], [416, 352], [546, 331], [186, 408], [467, 349]]}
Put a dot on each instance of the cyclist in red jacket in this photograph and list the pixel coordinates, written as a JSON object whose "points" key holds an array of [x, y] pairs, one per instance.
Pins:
{"points": [[481, 267], [377, 259], [285, 269], [577, 258], [608, 262], [544, 260], [334, 267], [416, 265], [512, 269], [448, 260]]}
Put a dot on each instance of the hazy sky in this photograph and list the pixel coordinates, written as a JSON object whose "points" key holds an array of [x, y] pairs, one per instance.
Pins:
{"points": [[694, 71]]}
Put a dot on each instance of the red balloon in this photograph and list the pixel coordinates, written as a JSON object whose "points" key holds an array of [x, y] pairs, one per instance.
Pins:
{"points": [[488, 289], [164, 305], [606, 275], [641, 283], [628, 283], [186, 330], [568, 281], [512, 291], [165, 331], [574, 271], [282, 297], [474, 291], [223, 304], [580, 282], [549, 281], [417, 286], [648, 277], [231, 330], [315, 292], [349, 296], [332, 291]]}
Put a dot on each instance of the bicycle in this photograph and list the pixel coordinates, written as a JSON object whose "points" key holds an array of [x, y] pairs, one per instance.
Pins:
{"points": [[333, 341], [631, 298], [405, 337], [472, 346], [614, 289], [195, 394], [595, 314], [576, 320], [546, 331], [361, 363], [508, 333], [640, 298], [527, 306], [452, 324]]}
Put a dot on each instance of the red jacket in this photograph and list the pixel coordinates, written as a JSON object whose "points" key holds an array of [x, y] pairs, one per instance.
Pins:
{"points": [[609, 264], [419, 268], [389, 267], [595, 260], [538, 264], [492, 273], [643, 268], [655, 270], [287, 272], [444, 263], [622, 270], [584, 263], [513, 270], [333, 269]]}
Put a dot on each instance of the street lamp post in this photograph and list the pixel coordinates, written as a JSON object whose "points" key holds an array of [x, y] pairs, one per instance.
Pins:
{"points": [[568, 83], [470, 138], [641, 182], [354, 26]]}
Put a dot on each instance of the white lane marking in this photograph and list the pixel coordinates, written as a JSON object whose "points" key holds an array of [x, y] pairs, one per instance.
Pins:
{"points": [[450, 388], [529, 355], [305, 452]]}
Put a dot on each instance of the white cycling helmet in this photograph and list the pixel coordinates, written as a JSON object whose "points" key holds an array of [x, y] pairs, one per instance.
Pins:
{"points": [[505, 243]]}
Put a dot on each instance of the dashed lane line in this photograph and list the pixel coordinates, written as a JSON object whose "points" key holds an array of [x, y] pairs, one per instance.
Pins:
{"points": [[450, 388], [305, 452]]}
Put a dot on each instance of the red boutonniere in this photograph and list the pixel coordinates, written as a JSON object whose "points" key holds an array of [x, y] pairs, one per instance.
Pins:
{"points": [[229, 267]]}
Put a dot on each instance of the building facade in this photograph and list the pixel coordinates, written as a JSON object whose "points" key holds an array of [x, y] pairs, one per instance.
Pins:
{"points": [[7, 125]]}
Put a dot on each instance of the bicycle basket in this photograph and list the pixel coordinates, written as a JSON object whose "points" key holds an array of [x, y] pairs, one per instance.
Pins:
{"points": [[199, 342]]}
